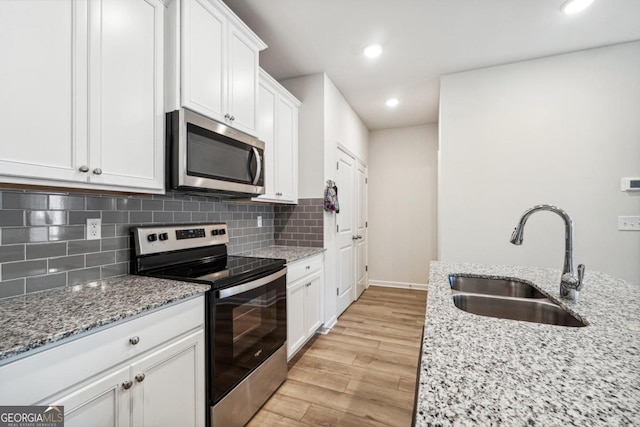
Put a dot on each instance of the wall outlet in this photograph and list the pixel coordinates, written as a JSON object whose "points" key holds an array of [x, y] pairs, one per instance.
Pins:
{"points": [[629, 223], [259, 221], [94, 228]]}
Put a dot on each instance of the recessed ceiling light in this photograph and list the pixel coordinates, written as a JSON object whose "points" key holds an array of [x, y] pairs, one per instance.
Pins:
{"points": [[372, 51], [393, 102], [574, 6]]}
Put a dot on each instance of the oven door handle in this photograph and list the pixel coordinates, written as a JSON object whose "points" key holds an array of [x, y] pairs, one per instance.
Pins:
{"points": [[235, 290]]}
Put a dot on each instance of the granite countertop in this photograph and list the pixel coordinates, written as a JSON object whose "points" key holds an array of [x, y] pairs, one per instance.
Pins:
{"points": [[290, 253], [478, 370], [35, 320]]}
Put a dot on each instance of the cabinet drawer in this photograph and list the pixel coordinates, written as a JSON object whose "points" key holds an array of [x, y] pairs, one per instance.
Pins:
{"points": [[36, 377], [303, 267]]}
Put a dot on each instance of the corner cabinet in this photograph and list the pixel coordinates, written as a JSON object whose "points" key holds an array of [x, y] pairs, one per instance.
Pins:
{"points": [[278, 128], [213, 63], [145, 372], [305, 284], [83, 94]]}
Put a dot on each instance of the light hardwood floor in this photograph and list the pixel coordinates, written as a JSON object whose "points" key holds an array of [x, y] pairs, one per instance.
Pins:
{"points": [[362, 373]]}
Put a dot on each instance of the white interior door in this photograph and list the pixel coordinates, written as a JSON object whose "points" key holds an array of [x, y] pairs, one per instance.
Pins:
{"points": [[361, 228], [346, 229]]}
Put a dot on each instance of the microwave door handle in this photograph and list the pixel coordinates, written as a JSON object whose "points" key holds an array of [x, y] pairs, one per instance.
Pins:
{"points": [[256, 154]]}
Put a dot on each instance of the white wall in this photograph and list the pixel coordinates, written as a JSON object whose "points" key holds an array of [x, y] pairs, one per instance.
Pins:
{"points": [[402, 204], [310, 91], [325, 120], [561, 130]]}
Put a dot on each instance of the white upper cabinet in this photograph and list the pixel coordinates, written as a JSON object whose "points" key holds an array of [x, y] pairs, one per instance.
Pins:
{"points": [[83, 93], [278, 128], [218, 57]]}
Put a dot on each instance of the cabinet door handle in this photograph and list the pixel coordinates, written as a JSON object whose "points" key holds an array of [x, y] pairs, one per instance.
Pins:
{"points": [[97, 171], [134, 340], [84, 168], [232, 118], [127, 385], [140, 378], [308, 267], [227, 116], [308, 284]]}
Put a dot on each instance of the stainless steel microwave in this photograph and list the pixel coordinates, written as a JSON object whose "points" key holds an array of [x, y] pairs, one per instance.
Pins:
{"points": [[204, 156]]}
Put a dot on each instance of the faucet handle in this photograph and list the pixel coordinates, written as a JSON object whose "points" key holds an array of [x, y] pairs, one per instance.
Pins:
{"points": [[581, 269]]}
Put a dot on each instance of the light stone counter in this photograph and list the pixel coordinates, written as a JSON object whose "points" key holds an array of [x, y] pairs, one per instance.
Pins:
{"points": [[478, 370], [34, 320], [289, 253]]}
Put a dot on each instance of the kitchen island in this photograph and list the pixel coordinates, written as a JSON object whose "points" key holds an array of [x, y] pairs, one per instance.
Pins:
{"points": [[478, 370]]}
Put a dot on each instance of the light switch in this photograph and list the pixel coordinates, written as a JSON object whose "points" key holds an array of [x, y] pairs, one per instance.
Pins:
{"points": [[629, 223]]}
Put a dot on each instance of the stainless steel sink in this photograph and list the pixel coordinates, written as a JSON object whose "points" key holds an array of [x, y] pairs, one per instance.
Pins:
{"points": [[527, 310], [491, 286]]}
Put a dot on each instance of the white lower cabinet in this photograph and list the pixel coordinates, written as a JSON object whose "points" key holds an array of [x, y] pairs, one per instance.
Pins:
{"points": [[305, 282], [145, 372]]}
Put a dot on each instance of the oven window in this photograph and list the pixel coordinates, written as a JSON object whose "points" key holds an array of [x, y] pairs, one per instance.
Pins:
{"points": [[210, 155], [247, 329]]}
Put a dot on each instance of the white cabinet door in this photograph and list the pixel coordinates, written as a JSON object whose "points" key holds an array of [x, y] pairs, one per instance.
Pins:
{"points": [[204, 70], [126, 121], [100, 403], [296, 332], [266, 132], [43, 55], [243, 82], [278, 128], [313, 303], [168, 385], [82, 100], [287, 150]]}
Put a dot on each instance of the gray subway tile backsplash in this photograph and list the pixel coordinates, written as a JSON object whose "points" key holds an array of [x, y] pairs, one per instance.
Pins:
{"points": [[300, 225], [43, 234], [41, 283], [11, 218], [46, 250], [10, 288], [11, 253]]}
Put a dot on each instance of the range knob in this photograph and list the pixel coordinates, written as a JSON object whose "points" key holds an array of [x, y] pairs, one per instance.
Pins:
{"points": [[223, 231], [164, 236], [215, 232], [152, 237]]}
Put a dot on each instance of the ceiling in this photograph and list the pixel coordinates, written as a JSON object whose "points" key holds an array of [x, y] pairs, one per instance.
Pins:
{"points": [[423, 40]]}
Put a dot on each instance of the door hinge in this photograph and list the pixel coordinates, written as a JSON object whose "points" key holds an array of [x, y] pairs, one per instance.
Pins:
{"points": [[337, 228], [338, 291], [366, 224], [366, 180], [366, 268], [337, 165]]}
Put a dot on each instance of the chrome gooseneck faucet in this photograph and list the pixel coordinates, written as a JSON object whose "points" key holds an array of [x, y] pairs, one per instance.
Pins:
{"points": [[570, 283]]}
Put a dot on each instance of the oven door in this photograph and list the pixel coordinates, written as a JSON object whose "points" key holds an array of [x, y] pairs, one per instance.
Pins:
{"points": [[248, 325]]}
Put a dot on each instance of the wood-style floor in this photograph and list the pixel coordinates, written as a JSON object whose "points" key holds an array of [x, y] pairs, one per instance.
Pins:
{"points": [[362, 373]]}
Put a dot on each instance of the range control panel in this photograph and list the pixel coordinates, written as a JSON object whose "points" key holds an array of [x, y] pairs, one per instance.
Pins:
{"points": [[155, 239]]}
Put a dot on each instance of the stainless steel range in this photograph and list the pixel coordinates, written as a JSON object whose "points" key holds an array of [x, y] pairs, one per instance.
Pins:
{"points": [[246, 318]]}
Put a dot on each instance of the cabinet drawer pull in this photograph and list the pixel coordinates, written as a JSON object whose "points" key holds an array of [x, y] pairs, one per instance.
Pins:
{"points": [[84, 169], [134, 340], [140, 378], [127, 385], [227, 116], [97, 171], [308, 267]]}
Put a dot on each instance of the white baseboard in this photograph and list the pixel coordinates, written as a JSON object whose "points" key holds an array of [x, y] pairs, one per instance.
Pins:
{"points": [[324, 329], [402, 285]]}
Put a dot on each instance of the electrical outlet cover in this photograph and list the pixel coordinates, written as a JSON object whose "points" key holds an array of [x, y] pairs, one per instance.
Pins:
{"points": [[94, 228]]}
